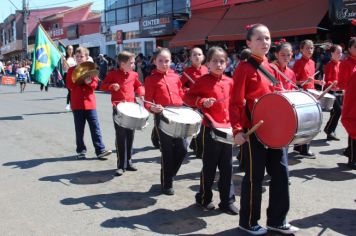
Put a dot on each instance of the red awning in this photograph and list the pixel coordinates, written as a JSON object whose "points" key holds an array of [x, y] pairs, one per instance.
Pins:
{"points": [[198, 27], [283, 18]]}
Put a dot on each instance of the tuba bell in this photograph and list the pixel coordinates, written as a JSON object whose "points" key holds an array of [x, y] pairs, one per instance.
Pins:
{"points": [[84, 70]]}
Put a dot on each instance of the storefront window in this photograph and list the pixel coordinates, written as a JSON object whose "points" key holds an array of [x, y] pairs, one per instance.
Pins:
{"points": [[121, 16], [149, 48], [149, 9], [132, 35], [180, 6], [134, 13], [164, 6], [133, 47], [110, 18]]}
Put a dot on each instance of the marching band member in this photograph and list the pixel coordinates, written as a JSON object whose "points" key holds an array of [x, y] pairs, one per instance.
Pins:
{"points": [[83, 105], [250, 85], [164, 88], [331, 71], [190, 75], [123, 83], [348, 119], [210, 94], [304, 70], [346, 69]]}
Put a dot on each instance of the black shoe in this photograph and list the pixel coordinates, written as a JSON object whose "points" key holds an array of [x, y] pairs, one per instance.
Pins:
{"points": [[102, 156], [131, 168], [309, 155], [352, 165], [254, 230], [168, 191], [284, 229], [119, 172], [206, 207], [332, 137], [81, 156], [230, 209]]}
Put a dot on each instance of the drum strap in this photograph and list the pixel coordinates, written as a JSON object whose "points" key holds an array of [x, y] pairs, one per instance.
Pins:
{"points": [[259, 67]]}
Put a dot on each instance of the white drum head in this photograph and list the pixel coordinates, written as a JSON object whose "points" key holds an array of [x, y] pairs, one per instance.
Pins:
{"points": [[182, 115], [131, 109]]}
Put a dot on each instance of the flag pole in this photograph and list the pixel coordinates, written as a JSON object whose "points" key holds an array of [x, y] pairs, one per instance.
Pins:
{"points": [[50, 39]]}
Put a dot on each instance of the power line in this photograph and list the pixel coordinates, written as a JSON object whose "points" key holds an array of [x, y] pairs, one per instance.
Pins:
{"points": [[13, 5]]}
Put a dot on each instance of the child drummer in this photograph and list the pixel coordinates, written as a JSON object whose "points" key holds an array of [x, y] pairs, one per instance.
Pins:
{"points": [[164, 88], [123, 83], [210, 94]]}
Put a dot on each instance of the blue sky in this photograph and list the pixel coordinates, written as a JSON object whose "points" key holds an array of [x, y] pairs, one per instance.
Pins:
{"points": [[6, 8]]}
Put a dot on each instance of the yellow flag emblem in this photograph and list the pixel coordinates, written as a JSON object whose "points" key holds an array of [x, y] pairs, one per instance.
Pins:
{"points": [[43, 58]]}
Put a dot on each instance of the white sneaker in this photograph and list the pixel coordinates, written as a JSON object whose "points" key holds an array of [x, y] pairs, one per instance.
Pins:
{"points": [[284, 229], [68, 108]]}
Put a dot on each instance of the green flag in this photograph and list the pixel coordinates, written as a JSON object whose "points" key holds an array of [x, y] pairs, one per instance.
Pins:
{"points": [[45, 57]]}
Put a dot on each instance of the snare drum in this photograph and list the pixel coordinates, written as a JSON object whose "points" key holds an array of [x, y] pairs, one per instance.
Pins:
{"points": [[223, 135], [180, 122], [131, 115], [291, 117], [326, 102]]}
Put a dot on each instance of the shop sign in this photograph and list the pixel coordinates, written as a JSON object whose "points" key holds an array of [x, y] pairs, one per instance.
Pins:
{"points": [[342, 11], [156, 26], [8, 80], [56, 32]]}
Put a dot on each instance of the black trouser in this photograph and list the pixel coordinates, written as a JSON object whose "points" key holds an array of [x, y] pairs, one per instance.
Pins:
{"points": [[124, 140], [154, 134], [335, 114], [196, 143], [68, 97], [303, 148], [173, 150], [215, 154], [350, 151], [257, 158], [45, 86]]}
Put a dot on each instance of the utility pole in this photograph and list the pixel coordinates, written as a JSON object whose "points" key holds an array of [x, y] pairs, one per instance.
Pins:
{"points": [[24, 29]]}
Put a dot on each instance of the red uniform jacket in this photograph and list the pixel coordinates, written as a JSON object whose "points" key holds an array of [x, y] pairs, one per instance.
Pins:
{"points": [[82, 96], [211, 86], [348, 115], [304, 68], [164, 89], [129, 85], [194, 73], [346, 69], [290, 75], [331, 71], [249, 85]]}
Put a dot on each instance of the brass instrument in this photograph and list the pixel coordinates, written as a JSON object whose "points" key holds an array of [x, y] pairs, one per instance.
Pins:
{"points": [[84, 70]]}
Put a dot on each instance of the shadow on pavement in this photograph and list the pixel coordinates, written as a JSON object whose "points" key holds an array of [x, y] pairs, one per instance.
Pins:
{"points": [[27, 164], [237, 232], [319, 143], [83, 177], [341, 221], [123, 201], [142, 149], [11, 118], [163, 221], [340, 173], [46, 113], [333, 152]]}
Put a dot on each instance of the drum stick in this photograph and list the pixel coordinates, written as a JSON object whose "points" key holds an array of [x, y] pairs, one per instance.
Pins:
{"points": [[284, 76], [154, 104], [308, 80], [322, 87], [326, 90], [189, 78], [254, 128]]}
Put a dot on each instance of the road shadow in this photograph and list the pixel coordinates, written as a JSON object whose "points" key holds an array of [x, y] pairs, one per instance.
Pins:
{"points": [[83, 177], [123, 201], [341, 221], [319, 143], [237, 232], [46, 113], [340, 173], [163, 221], [142, 149], [27, 164], [11, 118], [333, 152], [19, 92]]}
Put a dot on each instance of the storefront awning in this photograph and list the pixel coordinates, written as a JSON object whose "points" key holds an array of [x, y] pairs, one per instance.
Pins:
{"points": [[197, 29], [283, 18]]}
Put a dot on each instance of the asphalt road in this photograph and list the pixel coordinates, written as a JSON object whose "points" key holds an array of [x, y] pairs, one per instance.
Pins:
{"points": [[44, 190]]}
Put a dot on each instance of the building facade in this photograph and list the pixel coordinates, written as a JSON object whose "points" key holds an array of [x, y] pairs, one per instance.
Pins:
{"points": [[140, 26]]}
